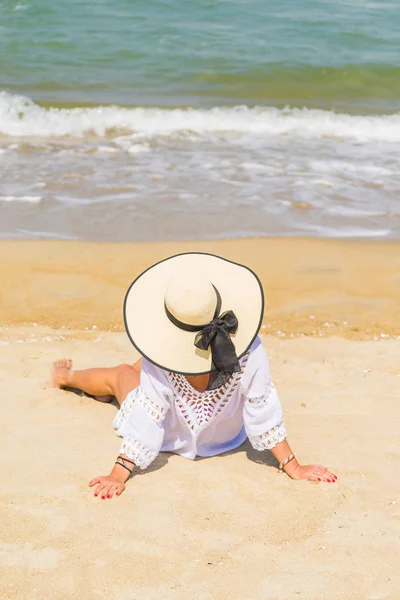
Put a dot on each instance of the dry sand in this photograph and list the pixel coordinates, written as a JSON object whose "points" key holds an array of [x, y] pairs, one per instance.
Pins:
{"points": [[222, 528]]}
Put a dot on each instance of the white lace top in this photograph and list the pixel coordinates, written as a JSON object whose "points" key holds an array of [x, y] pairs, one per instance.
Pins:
{"points": [[165, 413]]}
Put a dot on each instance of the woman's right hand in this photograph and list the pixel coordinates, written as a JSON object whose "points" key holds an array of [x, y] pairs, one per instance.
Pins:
{"points": [[107, 486]]}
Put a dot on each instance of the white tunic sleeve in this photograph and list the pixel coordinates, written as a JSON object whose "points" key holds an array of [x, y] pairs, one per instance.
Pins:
{"points": [[262, 411], [139, 420]]}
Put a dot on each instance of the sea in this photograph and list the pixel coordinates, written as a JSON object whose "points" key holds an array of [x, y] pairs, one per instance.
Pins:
{"points": [[132, 120]]}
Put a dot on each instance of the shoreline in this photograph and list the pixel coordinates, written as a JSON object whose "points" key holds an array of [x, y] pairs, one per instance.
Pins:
{"points": [[313, 287]]}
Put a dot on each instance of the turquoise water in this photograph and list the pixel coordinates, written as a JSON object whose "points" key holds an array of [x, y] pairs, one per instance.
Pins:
{"points": [[316, 53], [160, 120]]}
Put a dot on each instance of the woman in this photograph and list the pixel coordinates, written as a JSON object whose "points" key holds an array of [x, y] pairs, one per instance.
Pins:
{"points": [[203, 384]]}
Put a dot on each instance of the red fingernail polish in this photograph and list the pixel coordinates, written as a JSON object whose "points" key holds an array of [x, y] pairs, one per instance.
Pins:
{"points": [[103, 497], [108, 496], [96, 494], [117, 493], [319, 479]]}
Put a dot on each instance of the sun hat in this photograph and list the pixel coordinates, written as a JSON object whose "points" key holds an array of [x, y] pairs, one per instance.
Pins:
{"points": [[194, 313]]}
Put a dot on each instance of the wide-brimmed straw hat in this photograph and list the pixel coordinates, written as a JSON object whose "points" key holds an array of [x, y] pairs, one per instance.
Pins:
{"points": [[193, 313]]}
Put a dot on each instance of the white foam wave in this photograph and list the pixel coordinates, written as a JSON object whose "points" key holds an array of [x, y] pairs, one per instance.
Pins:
{"points": [[32, 199], [21, 117]]}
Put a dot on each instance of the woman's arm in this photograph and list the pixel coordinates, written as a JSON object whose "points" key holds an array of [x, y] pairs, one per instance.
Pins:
{"points": [[114, 483], [282, 450], [263, 418]]}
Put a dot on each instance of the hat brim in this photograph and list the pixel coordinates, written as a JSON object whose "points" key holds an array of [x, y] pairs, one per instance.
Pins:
{"points": [[171, 348]]}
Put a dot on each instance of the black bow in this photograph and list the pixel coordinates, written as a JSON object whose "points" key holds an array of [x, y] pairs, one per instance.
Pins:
{"points": [[217, 335]]}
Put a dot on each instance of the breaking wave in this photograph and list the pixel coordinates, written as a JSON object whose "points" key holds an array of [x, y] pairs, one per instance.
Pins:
{"points": [[22, 117]]}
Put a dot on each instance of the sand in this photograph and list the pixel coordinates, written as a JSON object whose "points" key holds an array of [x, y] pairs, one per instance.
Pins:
{"points": [[224, 528], [351, 289]]}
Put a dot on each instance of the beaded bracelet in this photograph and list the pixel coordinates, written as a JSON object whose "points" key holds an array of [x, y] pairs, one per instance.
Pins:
{"points": [[285, 462], [126, 460]]}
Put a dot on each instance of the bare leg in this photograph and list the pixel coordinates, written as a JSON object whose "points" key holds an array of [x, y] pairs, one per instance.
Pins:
{"points": [[103, 384]]}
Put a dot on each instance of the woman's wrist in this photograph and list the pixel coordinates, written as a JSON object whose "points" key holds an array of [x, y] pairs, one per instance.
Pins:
{"points": [[291, 467], [120, 473]]}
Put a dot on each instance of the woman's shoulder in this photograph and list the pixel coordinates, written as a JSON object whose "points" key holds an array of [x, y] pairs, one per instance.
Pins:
{"points": [[257, 360], [257, 372], [153, 374]]}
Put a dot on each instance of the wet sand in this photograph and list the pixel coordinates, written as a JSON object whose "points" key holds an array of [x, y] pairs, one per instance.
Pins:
{"points": [[312, 287]]}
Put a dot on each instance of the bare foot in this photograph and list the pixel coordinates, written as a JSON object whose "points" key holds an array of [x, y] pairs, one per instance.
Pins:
{"points": [[61, 377], [60, 374]]}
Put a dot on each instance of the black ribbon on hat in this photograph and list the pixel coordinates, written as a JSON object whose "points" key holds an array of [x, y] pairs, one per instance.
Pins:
{"points": [[215, 335]]}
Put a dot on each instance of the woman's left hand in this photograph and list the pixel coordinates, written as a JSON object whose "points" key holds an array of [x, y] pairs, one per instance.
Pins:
{"points": [[107, 485], [311, 472]]}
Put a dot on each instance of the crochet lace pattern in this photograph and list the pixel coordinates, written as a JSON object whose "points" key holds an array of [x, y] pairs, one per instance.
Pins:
{"points": [[141, 456], [266, 395], [200, 408], [268, 440], [133, 449]]}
